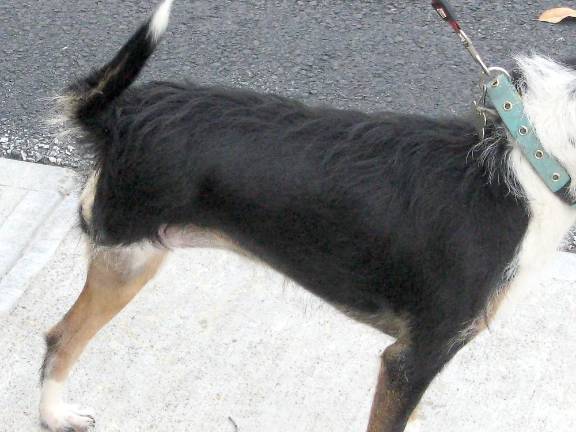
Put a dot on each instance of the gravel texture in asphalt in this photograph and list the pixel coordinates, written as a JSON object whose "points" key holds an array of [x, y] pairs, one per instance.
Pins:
{"points": [[368, 55]]}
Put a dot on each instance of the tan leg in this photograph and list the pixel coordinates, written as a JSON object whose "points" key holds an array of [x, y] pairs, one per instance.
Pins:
{"points": [[408, 367], [115, 276], [388, 399]]}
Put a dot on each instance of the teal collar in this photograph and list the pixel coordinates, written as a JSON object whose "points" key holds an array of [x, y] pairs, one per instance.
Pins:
{"points": [[508, 103], [510, 107]]}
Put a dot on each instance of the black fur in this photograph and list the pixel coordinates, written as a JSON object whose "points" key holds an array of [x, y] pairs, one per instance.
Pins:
{"points": [[95, 92], [371, 211], [377, 213], [52, 341]]}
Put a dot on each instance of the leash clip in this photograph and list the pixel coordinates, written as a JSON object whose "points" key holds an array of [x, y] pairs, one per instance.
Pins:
{"points": [[482, 113], [445, 12]]}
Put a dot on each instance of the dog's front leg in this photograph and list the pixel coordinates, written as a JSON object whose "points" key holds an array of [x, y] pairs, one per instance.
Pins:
{"points": [[407, 369], [115, 276]]}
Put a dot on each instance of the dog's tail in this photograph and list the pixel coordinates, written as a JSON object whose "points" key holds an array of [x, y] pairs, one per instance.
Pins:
{"points": [[91, 95]]}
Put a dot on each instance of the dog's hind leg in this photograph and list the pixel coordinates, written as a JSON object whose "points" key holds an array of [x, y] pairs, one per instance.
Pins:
{"points": [[115, 276], [407, 369]]}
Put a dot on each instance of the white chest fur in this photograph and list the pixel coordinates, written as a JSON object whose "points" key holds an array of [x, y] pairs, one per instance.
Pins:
{"points": [[550, 220], [550, 104]]}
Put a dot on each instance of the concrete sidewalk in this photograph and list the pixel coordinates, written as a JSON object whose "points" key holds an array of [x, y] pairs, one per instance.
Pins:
{"points": [[216, 340]]}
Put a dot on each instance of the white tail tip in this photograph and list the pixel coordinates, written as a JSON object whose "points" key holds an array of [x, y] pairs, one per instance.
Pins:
{"points": [[160, 19]]}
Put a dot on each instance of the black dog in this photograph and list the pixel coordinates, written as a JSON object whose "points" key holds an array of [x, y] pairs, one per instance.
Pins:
{"points": [[403, 222]]}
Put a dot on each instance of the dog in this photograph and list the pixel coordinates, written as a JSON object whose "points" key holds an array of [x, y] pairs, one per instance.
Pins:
{"points": [[412, 225]]}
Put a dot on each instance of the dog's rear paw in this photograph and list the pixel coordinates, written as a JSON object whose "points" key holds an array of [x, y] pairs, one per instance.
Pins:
{"points": [[415, 425], [67, 418]]}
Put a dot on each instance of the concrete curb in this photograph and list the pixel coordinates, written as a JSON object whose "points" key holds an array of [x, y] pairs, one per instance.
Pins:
{"points": [[37, 206]]}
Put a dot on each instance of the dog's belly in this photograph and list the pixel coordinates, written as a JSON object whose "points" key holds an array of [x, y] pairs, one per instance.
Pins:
{"points": [[174, 237], [388, 322]]}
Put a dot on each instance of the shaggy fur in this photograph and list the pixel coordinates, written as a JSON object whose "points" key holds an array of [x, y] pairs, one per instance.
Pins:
{"points": [[404, 222]]}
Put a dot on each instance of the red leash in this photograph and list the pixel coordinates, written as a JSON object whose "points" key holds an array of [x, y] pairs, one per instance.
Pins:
{"points": [[447, 14]]}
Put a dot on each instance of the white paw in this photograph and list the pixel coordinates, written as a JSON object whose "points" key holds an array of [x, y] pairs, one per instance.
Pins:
{"points": [[414, 425], [67, 418]]}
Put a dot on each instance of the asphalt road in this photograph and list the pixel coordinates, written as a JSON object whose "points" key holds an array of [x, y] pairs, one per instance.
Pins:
{"points": [[368, 55]]}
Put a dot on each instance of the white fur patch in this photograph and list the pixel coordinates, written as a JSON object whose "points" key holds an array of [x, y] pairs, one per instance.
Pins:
{"points": [[87, 197], [57, 416], [160, 19], [551, 107], [129, 261], [175, 237], [51, 395]]}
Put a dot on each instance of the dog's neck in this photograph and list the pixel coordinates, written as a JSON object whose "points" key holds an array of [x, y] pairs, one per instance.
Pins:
{"points": [[550, 104]]}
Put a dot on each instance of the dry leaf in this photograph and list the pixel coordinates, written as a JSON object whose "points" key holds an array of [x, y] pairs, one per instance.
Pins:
{"points": [[556, 15]]}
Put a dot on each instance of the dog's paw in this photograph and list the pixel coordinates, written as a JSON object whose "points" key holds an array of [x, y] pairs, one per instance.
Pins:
{"points": [[67, 418], [414, 425]]}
